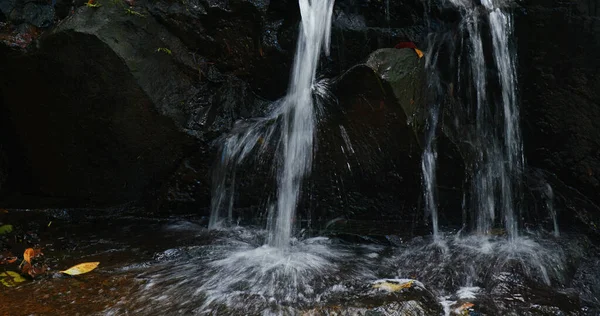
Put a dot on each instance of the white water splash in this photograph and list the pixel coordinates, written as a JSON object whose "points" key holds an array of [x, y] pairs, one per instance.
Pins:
{"points": [[467, 261]]}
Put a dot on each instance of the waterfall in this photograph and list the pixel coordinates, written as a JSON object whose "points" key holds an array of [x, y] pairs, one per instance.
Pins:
{"points": [[298, 130], [549, 196], [491, 126], [429, 159], [296, 115]]}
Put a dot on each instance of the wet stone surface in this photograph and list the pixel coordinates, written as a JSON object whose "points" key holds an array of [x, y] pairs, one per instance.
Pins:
{"points": [[175, 266]]}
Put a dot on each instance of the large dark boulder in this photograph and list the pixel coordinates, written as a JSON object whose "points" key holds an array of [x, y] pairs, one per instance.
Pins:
{"points": [[129, 97], [87, 132], [98, 114], [558, 44]]}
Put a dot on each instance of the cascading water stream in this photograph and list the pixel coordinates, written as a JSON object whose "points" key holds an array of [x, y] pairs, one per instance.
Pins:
{"points": [[497, 156], [299, 119], [233, 271], [296, 116]]}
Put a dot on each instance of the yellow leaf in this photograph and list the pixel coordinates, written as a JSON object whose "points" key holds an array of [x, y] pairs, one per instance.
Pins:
{"points": [[5, 229], [10, 278], [28, 254], [393, 286], [419, 52], [81, 268]]}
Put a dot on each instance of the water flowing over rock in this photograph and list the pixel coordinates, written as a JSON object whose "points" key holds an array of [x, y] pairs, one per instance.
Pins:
{"points": [[557, 56], [492, 151], [158, 102], [364, 131]]}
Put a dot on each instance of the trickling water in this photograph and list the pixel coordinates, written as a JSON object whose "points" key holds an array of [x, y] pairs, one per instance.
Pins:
{"points": [[549, 194], [296, 116], [429, 160], [236, 148], [497, 157], [502, 28]]}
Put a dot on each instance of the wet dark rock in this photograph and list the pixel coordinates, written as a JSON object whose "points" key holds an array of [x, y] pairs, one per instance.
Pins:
{"points": [[368, 156], [548, 194], [558, 43], [39, 14], [221, 103], [150, 103], [404, 73], [3, 168], [511, 293], [383, 297], [93, 131]]}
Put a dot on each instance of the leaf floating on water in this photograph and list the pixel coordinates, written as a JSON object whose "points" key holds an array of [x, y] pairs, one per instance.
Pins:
{"points": [[10, 278], [393, 286], [81, 268], [5, 229]]}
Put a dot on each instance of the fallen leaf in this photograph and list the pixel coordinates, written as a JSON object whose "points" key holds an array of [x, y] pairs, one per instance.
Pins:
{"points": [[8, 260], [419, 52], [5, 229], [81, 268], [393, 286], [34, 270], [10, 278], [28, 254]]}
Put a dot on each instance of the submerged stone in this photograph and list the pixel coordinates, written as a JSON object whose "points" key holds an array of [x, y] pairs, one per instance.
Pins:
{"points": [[387, 297]]}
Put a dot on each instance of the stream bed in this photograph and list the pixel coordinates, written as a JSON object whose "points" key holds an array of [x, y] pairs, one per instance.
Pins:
{"points": [[176, 266]]}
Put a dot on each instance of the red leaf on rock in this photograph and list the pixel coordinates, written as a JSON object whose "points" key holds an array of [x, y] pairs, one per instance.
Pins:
{"points": [[406, 45]]}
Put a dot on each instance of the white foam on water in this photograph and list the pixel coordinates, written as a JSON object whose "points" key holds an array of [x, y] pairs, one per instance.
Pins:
{"points": [[468, 292], [467, 261]]}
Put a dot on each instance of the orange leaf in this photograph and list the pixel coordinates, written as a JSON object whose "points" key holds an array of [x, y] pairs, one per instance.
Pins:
{"points": [[28, 254], [7, 260], [419, 52]]}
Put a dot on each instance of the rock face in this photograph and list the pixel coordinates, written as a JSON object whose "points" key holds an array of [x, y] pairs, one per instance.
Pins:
{"points": [[558, 43], [87, 132], [367, 165], [118, 103], [128, 100]]}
